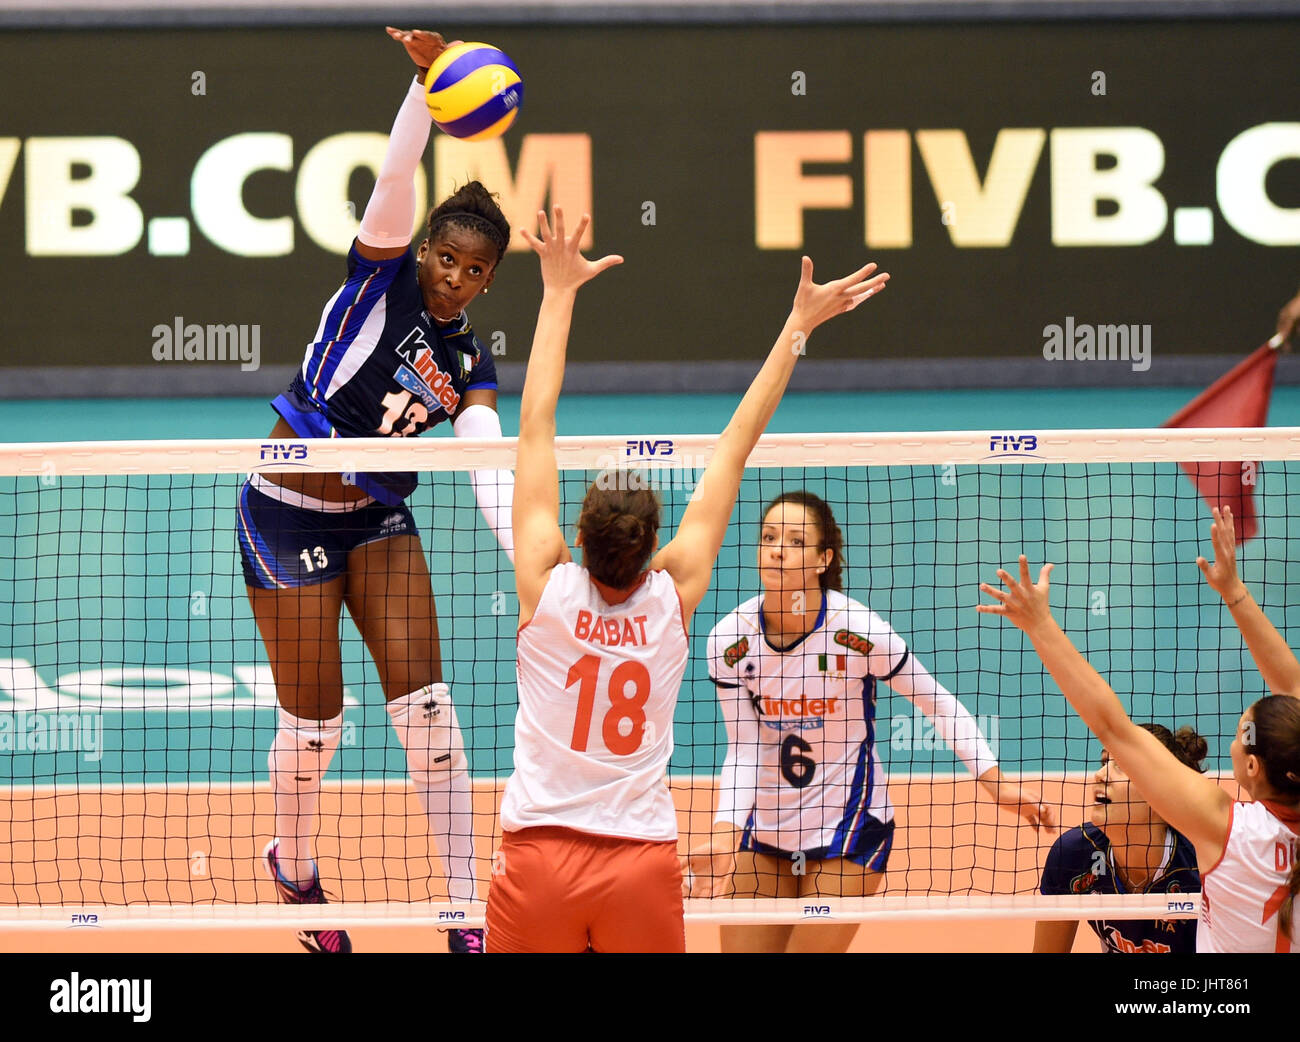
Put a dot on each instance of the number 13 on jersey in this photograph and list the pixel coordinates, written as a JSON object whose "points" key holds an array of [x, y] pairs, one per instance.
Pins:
{"points": [[586, 674]]}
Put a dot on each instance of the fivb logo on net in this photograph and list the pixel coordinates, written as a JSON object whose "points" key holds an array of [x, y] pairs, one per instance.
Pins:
{"points": [[650, 463]]}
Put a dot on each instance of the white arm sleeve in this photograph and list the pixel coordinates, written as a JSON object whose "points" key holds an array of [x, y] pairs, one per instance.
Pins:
{"points": [[494, 490], [738, 785], [952, 721], [390, 214]]}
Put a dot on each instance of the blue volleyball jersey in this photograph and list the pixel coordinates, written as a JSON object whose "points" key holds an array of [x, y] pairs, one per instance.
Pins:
{"points": [[1080, 862], [380, 366]]}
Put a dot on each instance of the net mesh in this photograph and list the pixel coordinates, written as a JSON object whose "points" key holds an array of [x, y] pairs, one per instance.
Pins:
{"points": [[137, 706]]}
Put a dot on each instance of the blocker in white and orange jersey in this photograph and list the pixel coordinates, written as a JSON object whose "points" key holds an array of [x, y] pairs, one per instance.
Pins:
{"points": [[1243, 893], [597, 688]]}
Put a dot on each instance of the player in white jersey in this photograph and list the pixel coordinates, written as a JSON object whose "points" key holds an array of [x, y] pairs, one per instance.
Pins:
{"points": [[803, 807], [1247, 852], [589, 855]]}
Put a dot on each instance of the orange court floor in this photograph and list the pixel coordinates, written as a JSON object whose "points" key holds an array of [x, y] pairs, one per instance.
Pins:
{"points": [[197, 844]]}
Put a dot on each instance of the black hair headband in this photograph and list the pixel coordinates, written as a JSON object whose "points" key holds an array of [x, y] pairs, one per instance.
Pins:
{"points": [[476, 221]]}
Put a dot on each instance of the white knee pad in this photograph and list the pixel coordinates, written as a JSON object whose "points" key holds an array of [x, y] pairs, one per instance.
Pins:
{"points": [[425, 722], [302, 751]]}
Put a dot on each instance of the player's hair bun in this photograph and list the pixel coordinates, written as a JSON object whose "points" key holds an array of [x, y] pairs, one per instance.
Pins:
{"points": [[618, 527], [473, 207], [1186, 744], [1192, 748]]}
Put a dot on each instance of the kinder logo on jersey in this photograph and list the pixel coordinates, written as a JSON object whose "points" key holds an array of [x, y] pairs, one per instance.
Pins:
{"points": [[853, 641], [799, 706], [1082, 884], [736, 652], [434, 390], [428, 382]]}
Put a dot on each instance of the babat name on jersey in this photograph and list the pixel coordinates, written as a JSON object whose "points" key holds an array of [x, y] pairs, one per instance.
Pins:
{"points": [[610, 632]]}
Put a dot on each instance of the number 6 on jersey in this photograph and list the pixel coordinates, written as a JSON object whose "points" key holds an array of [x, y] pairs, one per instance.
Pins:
{"points": [[586, 673]]}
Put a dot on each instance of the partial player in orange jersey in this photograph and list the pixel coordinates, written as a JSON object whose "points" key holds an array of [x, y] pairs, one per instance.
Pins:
{"points": [[589, 853], [1247, 851]]}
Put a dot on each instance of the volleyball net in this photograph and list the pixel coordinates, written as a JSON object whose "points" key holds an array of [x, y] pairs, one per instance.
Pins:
{"points": [[137, 706]]}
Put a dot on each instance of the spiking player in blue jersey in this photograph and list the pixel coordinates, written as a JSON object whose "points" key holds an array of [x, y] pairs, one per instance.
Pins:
{"points": [[393, 355], [1126, 848]]}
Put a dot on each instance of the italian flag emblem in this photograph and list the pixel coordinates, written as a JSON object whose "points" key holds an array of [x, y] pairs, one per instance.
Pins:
{"points": [[841, 663]]}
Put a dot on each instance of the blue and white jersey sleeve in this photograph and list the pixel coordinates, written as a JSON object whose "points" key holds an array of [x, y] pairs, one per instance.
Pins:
{"points": [[738, 782]]}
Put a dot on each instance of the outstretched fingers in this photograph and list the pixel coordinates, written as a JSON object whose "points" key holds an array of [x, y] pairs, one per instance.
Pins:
{"points": [[607, 262], [867, 290]]}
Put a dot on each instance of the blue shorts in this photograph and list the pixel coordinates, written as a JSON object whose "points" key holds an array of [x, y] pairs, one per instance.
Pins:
{"points": [[871, 847], [285, 546]]}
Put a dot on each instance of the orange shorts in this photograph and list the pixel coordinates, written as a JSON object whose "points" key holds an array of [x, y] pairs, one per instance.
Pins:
{"points": [[558, 890]]}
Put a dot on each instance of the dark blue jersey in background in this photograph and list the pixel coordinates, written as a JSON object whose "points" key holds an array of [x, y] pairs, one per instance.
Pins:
{"points": [[1080, 862]]}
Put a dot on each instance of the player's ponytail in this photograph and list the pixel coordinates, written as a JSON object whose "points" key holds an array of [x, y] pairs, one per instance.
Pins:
{"points": [[1287, 911], [829, 535], [618, 526], [1276, 734], [474, 208]]}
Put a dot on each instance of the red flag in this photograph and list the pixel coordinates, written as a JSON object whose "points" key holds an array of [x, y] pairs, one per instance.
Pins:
{"points": [[1239, 398]]}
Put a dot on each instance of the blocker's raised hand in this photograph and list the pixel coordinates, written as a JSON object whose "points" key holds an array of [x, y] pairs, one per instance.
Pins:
{"points": [[563, 265], [1221, 573], [814, 304], [1023, 603]]}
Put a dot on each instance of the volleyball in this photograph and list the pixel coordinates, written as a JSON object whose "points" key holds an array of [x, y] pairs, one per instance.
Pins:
{"points": [[474, 91]]}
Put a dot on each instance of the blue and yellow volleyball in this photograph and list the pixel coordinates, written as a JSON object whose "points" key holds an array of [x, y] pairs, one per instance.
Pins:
{"points": [[474, 91]]}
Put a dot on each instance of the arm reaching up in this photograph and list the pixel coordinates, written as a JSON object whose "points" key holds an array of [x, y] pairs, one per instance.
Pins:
{"points": [[539, 542], [689, 557], [1273, 657], [1191, 802]]}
